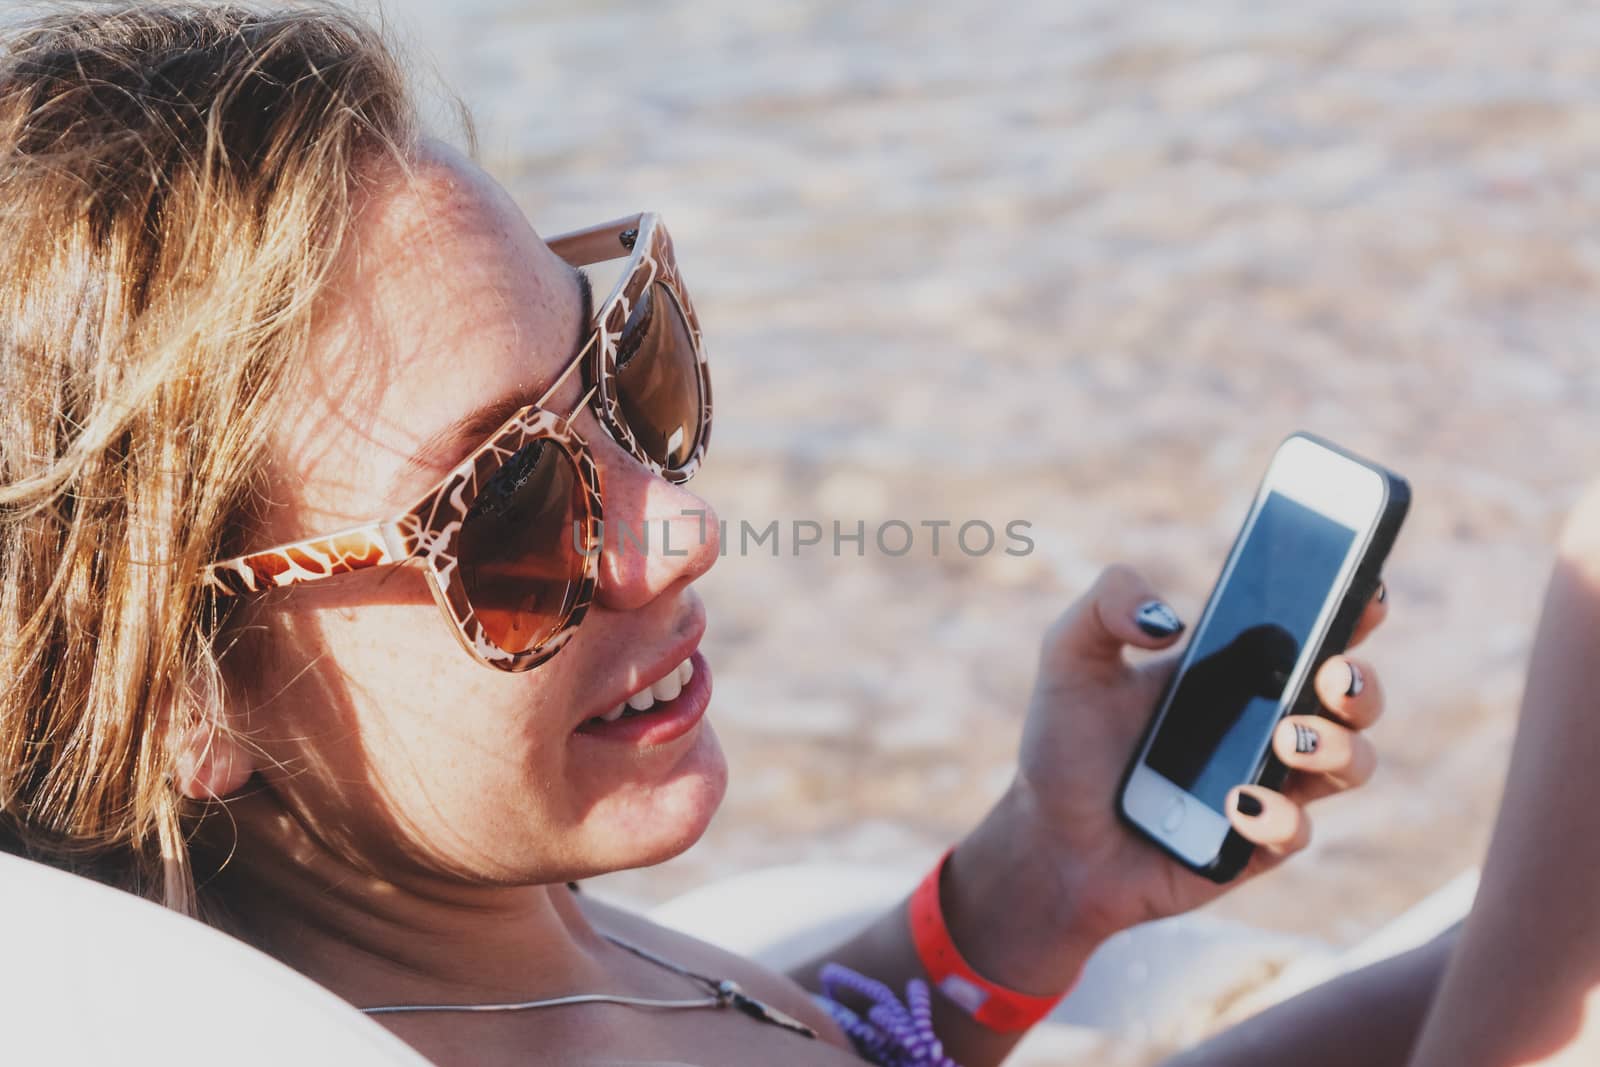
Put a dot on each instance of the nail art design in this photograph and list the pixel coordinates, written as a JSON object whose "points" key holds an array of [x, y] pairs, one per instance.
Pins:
{"points": [[1357, 683], [1248, 805], [1157, 619], [1306, 739]]}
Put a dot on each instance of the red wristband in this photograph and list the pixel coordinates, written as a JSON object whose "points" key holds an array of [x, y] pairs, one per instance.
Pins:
{"points": [[994, 1006]]}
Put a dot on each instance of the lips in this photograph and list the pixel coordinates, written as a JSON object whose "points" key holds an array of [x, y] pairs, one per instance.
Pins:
{"points": [[668, 666], [664, 720], [659, 692]]}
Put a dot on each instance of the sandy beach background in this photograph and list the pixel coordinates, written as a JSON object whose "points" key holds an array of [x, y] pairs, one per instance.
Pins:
{"points": [[1084, 264]]}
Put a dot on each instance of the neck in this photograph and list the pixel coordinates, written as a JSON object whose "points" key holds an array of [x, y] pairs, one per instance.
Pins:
{"points": [[389, 938]]}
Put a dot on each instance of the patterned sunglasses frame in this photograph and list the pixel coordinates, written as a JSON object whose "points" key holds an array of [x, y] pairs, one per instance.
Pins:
{"points": [[428, 531]]}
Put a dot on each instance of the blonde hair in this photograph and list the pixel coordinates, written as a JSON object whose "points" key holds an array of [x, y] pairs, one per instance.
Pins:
{"points": [[177, 182]]}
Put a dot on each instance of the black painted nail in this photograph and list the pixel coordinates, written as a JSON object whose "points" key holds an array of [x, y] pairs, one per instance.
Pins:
{"points": [[1248, 805], [1157, 619], [1306, 739], [1357, 683], [1383, 592]]}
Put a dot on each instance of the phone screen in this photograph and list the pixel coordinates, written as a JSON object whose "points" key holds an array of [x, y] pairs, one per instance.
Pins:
{"points": [[1227, 702]]}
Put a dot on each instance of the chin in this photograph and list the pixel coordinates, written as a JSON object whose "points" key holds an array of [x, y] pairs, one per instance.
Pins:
{"points": [[642, 826]]}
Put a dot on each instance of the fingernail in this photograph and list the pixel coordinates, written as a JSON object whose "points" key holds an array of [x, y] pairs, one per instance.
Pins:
{"points": [[1357, 683], [1383, 592], [1157, 619], [1248, 805], [1306, 739]]}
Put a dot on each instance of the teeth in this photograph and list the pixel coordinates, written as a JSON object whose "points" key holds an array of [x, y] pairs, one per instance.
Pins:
{"points": [[668, 688]]}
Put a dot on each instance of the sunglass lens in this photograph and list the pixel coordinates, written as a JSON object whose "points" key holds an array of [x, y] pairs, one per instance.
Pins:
{"points": [[517, 561], [658, 379]]}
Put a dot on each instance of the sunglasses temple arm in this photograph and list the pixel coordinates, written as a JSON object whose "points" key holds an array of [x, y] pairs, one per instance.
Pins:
{"points": [[372, 544]]}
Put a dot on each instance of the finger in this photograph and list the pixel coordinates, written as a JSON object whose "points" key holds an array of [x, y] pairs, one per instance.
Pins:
{"points": [[1119, 609], [1349, 688], [1320, 746], [1268, 819], [1372, 615], [1303, 789]]}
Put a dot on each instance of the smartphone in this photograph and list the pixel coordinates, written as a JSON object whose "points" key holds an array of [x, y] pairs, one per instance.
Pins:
{"points": [[1293, 588]]}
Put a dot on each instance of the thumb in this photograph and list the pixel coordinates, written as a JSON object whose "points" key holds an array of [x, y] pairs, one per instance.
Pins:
{"points": [[1120, 609]]}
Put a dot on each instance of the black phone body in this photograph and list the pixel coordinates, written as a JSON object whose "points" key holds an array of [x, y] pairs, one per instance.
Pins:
{"points": [[1296, 581]]}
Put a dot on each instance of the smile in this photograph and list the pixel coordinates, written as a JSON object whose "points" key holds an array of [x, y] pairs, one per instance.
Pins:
{"points": [[659, 692], [663, 711]]}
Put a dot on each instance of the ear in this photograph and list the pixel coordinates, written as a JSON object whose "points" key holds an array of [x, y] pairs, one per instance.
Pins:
{"points": [[210, 763]]}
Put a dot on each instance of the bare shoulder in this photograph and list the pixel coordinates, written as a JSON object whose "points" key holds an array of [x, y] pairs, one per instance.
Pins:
{"points": [[765, 984]]}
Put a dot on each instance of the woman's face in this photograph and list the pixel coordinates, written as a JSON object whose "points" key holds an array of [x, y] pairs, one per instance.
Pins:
{"points": [[379, 734]]}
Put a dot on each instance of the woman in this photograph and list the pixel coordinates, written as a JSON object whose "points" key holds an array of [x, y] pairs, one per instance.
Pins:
{"points": [[311, 628]]}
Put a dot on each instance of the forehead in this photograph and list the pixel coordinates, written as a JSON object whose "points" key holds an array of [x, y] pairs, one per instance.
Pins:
{"points": [[448, 299]]}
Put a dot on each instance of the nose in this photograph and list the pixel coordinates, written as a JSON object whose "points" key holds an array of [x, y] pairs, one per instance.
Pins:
{"points": [[656, 533]]}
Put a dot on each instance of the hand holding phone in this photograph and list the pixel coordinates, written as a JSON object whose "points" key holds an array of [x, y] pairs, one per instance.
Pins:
{"points": [[1292, 590], [1051, 871]]}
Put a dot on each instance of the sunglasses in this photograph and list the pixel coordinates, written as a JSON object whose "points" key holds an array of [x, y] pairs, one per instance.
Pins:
{"points": [[510, 538]]}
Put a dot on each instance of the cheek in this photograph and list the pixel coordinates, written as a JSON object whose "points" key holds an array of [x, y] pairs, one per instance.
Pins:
{"points": [[413, 757], [419, 755]]}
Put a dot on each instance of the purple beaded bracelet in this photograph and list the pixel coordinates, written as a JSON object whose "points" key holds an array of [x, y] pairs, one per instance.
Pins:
{"points": [[892, 1034]]}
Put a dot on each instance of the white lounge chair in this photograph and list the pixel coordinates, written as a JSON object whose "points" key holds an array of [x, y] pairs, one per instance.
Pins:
{"points": [[90, 975]]}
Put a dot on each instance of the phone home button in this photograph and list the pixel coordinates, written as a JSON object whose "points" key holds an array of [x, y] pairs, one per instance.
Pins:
{"points": [[1174, 816]]}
